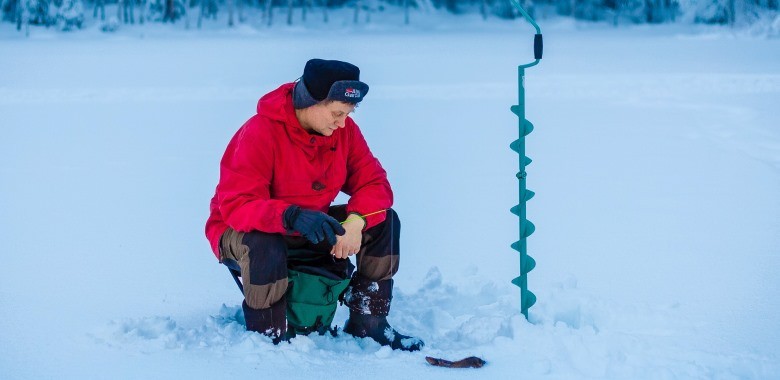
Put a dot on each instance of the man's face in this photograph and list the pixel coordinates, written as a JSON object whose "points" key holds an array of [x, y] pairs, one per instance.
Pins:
{"points": [[326, 117]]}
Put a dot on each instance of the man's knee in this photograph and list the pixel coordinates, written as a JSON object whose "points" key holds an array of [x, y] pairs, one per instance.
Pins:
{"points": [[265, 280], [379, 257], [392, 215], [390, 227]]}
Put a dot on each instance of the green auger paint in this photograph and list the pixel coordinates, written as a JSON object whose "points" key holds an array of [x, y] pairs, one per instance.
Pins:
{"points": [[527, 263]]}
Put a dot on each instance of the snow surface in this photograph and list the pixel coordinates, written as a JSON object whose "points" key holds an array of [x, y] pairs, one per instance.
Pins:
{"points": [[656, 168]]}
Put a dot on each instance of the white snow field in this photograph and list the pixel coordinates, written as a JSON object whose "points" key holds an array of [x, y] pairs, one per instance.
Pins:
{"points": [[656, 168]]}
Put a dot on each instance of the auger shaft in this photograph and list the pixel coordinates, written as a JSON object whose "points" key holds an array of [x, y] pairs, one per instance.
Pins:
{"points": [[526, 228]]}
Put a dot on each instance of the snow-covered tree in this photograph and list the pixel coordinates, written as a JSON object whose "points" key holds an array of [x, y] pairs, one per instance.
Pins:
{"points": [[39, 12], [10, 9], [126, 10], [723, 11], [70, 15], [208, 10], [165, 10], [710, 12], [100, 5]]}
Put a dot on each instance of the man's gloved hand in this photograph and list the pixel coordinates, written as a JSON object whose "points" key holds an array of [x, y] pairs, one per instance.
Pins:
{"points": [[315, 226]]}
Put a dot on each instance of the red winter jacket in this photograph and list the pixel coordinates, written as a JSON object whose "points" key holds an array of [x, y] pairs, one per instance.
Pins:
{"points": [[272, 162]]}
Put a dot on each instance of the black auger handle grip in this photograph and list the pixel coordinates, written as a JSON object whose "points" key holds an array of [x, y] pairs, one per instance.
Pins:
{"points": [[538, 46]]}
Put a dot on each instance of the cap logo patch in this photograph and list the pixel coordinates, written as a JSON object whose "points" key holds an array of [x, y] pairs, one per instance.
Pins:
{"points": [[352, 93]]}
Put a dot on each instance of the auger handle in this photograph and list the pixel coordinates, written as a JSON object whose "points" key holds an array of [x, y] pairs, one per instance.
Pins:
{"points": [[538, 46]]}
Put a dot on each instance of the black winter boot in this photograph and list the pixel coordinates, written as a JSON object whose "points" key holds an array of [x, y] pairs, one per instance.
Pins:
{"points": [[369, 304], [378, 329], [271, 322]]}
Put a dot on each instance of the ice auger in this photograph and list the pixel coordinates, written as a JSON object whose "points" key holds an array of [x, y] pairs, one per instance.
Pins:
{"points": [[527, 263]]}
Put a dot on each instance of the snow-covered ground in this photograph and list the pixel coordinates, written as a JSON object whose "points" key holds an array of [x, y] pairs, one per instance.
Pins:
{"points": [[656, 168]]}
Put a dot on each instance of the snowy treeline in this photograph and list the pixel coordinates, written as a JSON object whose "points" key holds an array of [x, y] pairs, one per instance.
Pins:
{"points": [[69, 14], [660, 11]]}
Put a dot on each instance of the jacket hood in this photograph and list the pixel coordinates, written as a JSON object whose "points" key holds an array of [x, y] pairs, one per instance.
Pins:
{"points": [[278, 105], [274, 105]]}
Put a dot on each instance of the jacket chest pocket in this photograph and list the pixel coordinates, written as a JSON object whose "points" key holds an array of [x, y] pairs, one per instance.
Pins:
{"points": [[301, 189]]}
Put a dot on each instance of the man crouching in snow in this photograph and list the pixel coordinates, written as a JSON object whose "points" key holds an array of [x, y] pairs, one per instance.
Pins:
{"points": [[278, 176]]}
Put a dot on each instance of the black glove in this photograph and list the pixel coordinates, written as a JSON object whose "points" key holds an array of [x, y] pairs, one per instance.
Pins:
{"points": [[315, 226]]}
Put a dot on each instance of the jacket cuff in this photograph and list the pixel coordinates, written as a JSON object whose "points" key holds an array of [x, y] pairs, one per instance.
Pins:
{"points": [[289, 215], [357, 214], [372, 217]]}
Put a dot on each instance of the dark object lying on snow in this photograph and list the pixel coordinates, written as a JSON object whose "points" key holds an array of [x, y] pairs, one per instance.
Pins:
{"points": [[469, 362]]}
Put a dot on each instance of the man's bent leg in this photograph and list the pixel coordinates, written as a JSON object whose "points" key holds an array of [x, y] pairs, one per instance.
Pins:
{"points": [[371, 289], [263, 261]]}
